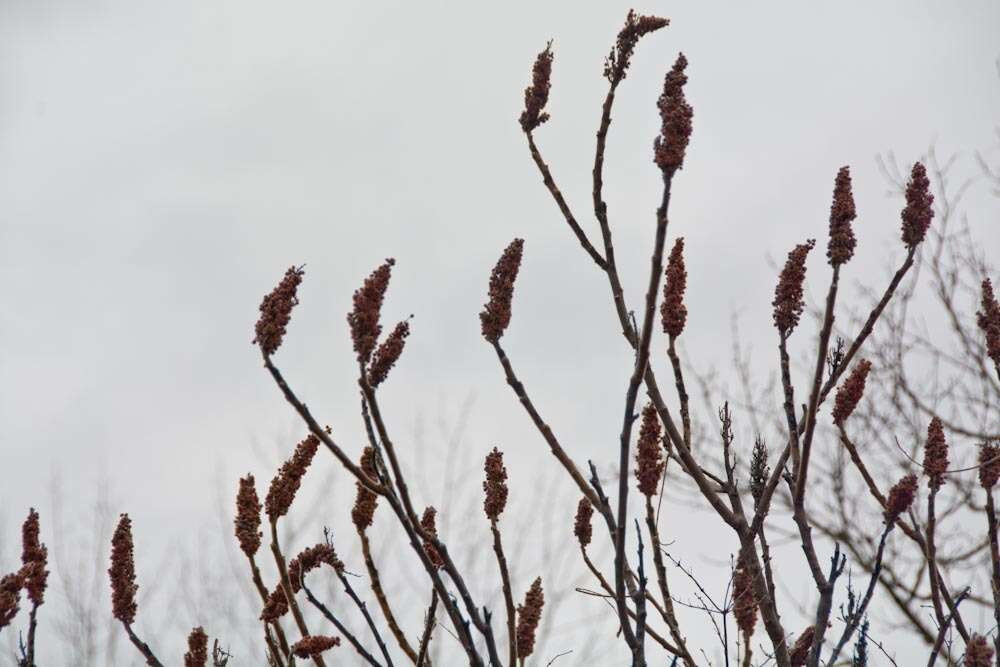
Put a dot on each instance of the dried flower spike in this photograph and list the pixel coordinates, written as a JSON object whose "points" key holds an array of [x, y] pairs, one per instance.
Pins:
{"points": [[197, 653], [528, 616], [978, 652], [759, 470], [788, 294], [673, 312], [429, 523], [918, 212], [10, 597], [309, 559], [366, 501], [582, 527], [900, 498], [676, 115], [744, 600], [388, 354], [247, 521], [800, 651], [850, 393], [636, 26], [536, 96], [496, 313], [648, 455], [364, 317], [34, 558], [286, 483], [840, 247], [989, 321], [935, 454], [495, 486], [122, 572], [989, 465], [276, 312], [312, 646], [276, 605]]}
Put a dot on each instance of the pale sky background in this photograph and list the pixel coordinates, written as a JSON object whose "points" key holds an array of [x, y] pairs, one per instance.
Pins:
{"points": [[163, 163]]}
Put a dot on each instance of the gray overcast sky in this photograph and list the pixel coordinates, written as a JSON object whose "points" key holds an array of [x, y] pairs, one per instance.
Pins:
{"points": [[162, 163]]}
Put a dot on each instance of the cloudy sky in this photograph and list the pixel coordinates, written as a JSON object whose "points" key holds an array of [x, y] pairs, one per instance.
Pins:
{"points": [[162, 164]]}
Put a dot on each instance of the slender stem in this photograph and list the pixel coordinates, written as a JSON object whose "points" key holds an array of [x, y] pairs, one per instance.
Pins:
{"points": [[854, 620], [814, 395], [991, 522], [425, 640], [142, 647], [508, 596], [368, 657], [667, 646], [482, 624], [375, 580], [557, 195], [258, 583], [286, 586], [364, 613], [661, 576]]}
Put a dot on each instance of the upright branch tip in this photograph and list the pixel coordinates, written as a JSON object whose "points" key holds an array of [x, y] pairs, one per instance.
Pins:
{"points": [[366, 501], [197, 653], [536, 96], [649, 455], [900, 498], [429, 523], [840, 247], [673, 312], [247, 521], [989, 321], [528, 616], [989, 465], [851, 392], [636, 26], [744, 600], [676, 114], [582, 527], [364, 317], [495, 316], [34, 558], [495, 485], [388, 354], [286, 482], [276, 311], [919, 211], [788, 294], [122, 572], [935, 454]]}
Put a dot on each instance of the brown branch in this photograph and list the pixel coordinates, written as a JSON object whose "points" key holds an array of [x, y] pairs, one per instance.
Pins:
{"points": [[508, 596], [375, 581], [449, 566], [610, 593], [991, 525], [142, 647], [258, 583], [358, 646], [425, 640], [661, 576], [286, 586], [557, 195]]}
